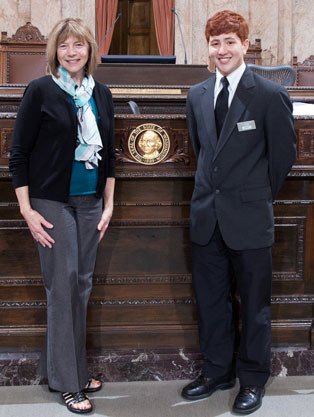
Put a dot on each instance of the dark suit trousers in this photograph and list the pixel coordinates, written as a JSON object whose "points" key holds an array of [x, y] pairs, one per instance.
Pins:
{"points": [[215, 268]]}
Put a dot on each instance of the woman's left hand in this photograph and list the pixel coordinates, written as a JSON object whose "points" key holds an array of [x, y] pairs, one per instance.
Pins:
{"points": [[104, 222]]}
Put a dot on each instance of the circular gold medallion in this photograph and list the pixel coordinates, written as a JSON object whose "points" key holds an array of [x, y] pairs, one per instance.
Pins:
{"points": [[149, 144]]}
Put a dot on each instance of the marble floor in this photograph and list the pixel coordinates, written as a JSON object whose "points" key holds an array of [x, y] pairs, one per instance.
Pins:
{"points": [[285, 396]]}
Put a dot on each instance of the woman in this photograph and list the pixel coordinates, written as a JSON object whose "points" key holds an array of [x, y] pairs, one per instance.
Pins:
{"points": [[62, 164]]}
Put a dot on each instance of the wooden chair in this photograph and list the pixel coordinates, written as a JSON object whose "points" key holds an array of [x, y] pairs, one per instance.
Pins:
{"points": [[23, 56], [254, 53], [304, 71]]}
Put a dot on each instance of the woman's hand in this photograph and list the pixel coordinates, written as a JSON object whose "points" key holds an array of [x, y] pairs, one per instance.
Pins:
{"points": [[36, 223], [104, 222], [108, 204]]}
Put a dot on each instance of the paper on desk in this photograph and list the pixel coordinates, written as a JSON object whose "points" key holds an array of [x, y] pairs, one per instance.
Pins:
{"points": [[303, 109]]}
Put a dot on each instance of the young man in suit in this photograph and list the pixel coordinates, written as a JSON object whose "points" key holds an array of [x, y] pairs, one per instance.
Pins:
{"points": [[242, 130]]}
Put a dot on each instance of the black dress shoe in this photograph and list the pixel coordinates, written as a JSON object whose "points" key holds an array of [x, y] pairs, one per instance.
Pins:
{"points": [[203, 387], [248, 400]]}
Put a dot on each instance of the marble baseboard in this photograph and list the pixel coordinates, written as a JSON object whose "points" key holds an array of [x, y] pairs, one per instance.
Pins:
{"points": [[145, 365]]}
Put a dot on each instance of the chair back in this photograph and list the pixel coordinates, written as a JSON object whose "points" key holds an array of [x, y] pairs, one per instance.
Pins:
{"points": [[304, 71], [282, 74], [23, 56]]}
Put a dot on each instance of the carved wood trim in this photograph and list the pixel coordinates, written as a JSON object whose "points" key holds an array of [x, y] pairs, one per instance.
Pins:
{"points": [[306, 66], [293, 202], [98, 302], [302, 171], [149, 223], [139, 302], [137, 173], [142, 302], [16, 282], [306, 144], [4, 173], [308, 62], [5, 138], [13, 224], [293, 299], [8, 108], [25, 33], [147, 279], [8, 115], [151, 204], [100, 279], [23, 304], [299, 224], [21, 224]]}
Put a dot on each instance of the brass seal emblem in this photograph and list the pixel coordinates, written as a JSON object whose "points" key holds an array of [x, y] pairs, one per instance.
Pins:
{"points": [[149, 144]]}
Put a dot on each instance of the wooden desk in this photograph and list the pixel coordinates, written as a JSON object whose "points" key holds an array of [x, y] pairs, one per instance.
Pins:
{"points": [[142, 296], [150, 99]]}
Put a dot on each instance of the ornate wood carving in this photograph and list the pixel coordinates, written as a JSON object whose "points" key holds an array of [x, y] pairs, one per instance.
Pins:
{"points": [[16, 282], [308, 62], [306, 144], [27, 33], [290, 232], [301, 299], [146, 279], [304, 71], [6, 138]]}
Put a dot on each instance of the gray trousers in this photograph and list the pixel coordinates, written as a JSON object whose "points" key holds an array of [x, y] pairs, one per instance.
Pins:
{"points": [[67, 271]]}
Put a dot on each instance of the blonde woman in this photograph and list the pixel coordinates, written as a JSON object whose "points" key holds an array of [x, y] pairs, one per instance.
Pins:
{"points": [[63, 168]]}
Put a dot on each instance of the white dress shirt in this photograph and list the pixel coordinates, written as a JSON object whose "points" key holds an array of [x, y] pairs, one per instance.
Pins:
{"points": [[233, 80]]}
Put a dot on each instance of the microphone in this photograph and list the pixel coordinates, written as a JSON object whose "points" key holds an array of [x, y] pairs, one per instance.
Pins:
{"points": [[182, 39], [109, 30], [134, 107]]}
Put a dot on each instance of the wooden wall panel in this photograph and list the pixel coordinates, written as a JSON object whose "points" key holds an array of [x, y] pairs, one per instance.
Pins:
{"points": [[149, 250]]}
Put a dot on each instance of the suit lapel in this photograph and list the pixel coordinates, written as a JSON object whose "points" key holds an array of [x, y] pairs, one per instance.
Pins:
{"points": [[241, 99], [207, 107]]}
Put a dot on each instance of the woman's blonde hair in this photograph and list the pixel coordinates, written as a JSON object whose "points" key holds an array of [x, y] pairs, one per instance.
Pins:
{"points": [[62, 30]]}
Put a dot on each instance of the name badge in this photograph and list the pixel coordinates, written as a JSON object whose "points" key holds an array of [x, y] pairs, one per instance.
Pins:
{"points": [[244, 126]]}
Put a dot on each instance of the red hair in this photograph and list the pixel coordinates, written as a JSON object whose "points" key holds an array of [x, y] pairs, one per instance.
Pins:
{"points": [[227, 21]]}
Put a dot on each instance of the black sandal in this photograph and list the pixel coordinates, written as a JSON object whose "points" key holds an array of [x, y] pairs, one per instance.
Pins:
{"points": [[88, 387], [71, 398]]}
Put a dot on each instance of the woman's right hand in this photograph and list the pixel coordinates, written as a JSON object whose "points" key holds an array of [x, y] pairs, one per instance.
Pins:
{"points": [[36, 223]]}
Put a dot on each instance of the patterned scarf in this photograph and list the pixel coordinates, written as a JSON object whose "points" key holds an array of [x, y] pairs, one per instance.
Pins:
{"points": [[88, 134]]}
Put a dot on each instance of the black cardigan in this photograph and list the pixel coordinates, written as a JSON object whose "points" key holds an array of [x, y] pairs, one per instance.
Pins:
{"points": [[45, 137]]}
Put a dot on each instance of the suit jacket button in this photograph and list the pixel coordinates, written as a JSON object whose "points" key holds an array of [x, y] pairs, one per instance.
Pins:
{"points": [[217, 191], [216, 169]]}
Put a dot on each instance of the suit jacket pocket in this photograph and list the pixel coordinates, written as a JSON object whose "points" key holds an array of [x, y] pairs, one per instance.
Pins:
{"points": [[256, 194]]}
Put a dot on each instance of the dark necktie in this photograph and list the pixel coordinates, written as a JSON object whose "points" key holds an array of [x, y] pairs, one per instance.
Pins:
{"points": [[221, 107]]}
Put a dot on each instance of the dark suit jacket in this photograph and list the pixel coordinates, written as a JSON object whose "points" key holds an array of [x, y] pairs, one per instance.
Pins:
{"points": [[238, 177], [45, 137]]}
